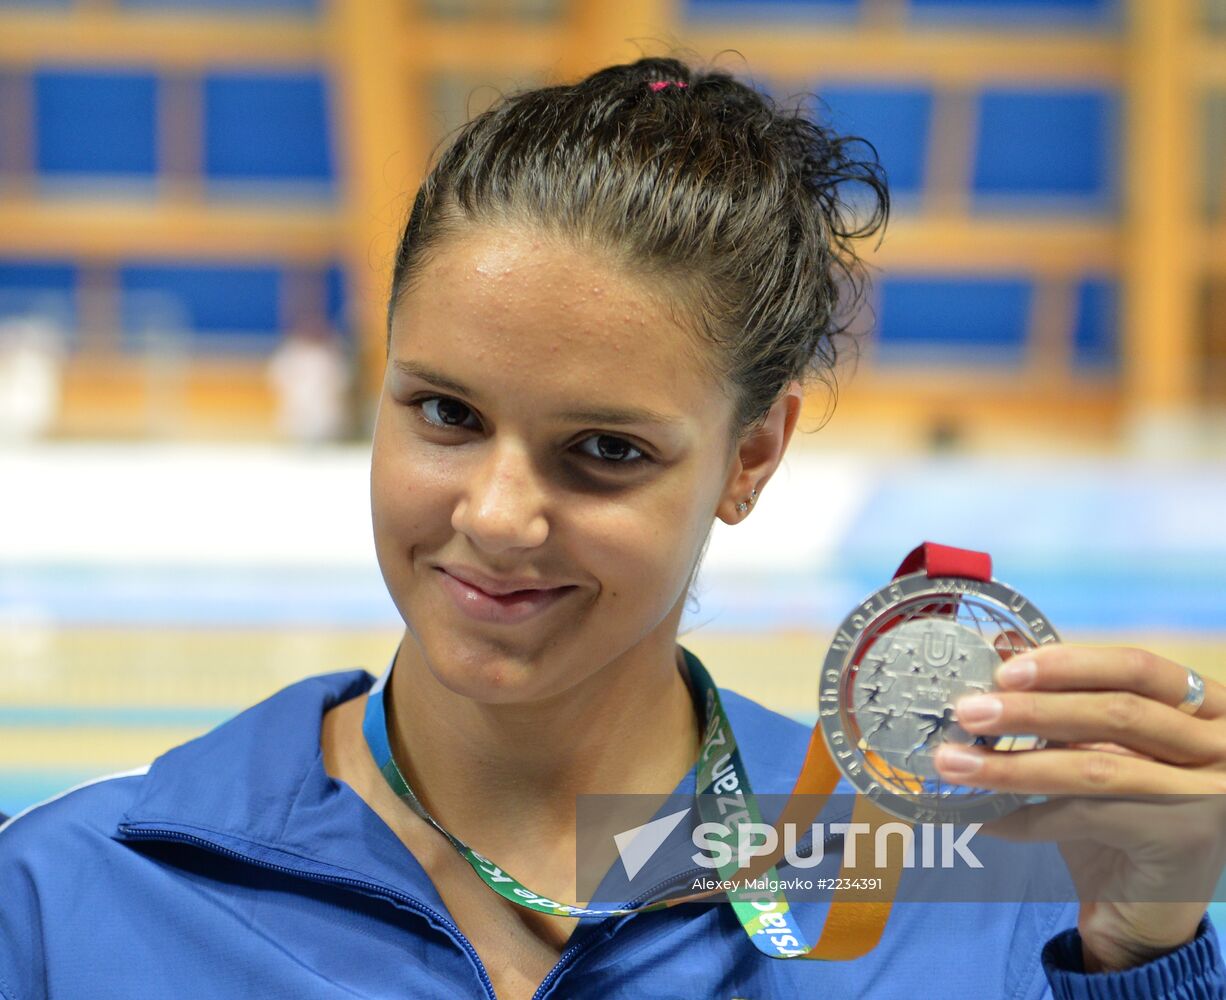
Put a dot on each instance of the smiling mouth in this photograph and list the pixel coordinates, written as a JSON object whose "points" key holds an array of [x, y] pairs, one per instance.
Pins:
{"points": [[506, 609]]}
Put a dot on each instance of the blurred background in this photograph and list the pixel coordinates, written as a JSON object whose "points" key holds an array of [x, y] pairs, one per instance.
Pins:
{"points": [[199, 202]]}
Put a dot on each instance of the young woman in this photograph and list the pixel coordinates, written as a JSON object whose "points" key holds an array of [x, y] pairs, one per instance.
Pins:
{"points": [[606, 304]]}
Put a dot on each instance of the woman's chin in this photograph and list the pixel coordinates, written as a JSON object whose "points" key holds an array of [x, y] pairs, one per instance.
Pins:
{"points": [[485, 676]]}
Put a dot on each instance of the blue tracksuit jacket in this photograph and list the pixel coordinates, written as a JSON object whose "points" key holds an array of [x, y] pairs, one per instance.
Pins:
{"points": [[234, 866]]}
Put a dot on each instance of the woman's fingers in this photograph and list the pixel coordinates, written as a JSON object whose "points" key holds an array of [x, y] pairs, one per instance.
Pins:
{"points": [[1073, 772], [1098, 701], [1124, 718], [1112, 747], [1092, 668]]}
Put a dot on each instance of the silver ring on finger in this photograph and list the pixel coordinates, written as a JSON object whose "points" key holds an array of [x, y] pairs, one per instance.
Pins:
{"points": [[1195, 697]]}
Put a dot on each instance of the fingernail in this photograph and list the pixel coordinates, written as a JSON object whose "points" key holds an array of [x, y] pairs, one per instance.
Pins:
{"points": [[978, 708], [1017, 673], [955, 760]]}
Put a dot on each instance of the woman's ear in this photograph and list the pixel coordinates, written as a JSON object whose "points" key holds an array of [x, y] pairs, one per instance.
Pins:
{"points": [[759, 453]]}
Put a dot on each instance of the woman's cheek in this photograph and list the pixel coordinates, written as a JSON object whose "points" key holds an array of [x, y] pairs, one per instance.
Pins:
{"points": [[406, 481], [627, 552]]}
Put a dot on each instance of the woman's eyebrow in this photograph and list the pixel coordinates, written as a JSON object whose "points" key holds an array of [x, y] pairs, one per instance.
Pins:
{"points": [[622, 416], [415, 370], [627, 416]]}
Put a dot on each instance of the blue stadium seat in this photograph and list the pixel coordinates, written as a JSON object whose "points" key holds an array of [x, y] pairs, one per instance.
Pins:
{"points": [[268, 127], [1096, 334], [337, 291], [1051, 13], [95, 122], [206, 299], [896, 120], [767, 10], [1046, 146], [952, 319], [43, 288]]}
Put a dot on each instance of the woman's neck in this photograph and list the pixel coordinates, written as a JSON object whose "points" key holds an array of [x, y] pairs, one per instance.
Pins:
{"points": [[629, 728]]}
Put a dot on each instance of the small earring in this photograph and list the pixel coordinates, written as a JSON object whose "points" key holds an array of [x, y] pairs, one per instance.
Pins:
{"points": [[744, 505]]}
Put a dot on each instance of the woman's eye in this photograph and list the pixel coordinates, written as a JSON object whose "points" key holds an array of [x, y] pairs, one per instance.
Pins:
{"points": [[613, 450], [442, 411]]}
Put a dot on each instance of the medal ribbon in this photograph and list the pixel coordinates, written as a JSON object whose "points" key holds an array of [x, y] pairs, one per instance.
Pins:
{"points": [[852, 927], [720, 770]]}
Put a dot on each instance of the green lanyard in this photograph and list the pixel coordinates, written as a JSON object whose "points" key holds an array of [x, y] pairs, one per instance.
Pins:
{"points": [[764, 915]]}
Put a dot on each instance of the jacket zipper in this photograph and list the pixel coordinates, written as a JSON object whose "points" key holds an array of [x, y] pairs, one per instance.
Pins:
{"points": [[567, 956], [372, 887]]}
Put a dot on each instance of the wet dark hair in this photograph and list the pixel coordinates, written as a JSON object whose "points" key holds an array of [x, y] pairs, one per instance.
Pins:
{"points": [[739, 205]]}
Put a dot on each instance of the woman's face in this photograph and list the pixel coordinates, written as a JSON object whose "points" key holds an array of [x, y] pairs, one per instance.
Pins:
{"points": [[544, 418]]}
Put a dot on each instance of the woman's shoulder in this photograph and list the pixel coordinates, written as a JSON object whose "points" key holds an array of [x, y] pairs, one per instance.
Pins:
{"points": [[91, 811], [773, 745], [90, 807], [45, 849], [753, 716]]}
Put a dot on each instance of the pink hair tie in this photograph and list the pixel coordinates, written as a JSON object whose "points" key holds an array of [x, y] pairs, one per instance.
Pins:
{"points": [[661, 84]]}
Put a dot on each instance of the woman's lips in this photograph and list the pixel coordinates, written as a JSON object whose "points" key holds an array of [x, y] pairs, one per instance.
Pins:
{"points": [[506, 610]]}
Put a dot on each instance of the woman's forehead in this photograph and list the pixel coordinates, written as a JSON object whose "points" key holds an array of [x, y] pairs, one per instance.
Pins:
{"points": [[524, 276], [522, 312]]}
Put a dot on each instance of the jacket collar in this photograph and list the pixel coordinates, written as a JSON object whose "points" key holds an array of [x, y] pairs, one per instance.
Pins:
{"points": [[256, 786]]}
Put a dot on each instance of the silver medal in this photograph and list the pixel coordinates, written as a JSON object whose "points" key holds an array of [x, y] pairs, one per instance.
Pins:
{"points": [[896, 667]]}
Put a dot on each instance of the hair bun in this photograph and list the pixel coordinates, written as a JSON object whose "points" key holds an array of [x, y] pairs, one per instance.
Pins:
{"points": [[746, 211]]}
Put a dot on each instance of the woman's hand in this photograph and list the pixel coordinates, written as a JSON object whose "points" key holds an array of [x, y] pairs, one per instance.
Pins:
{"points": [[1145, 870]]}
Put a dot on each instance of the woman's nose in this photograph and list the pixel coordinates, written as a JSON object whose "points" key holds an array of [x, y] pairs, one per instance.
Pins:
{"points": [[501, 505]]}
